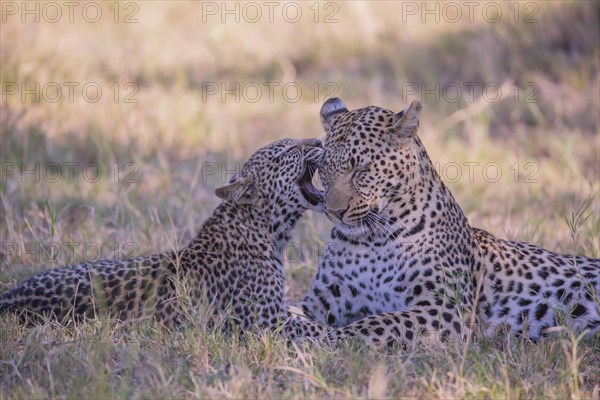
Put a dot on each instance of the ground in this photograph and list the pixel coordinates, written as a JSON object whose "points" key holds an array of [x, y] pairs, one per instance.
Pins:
{"points": [[524, 167]]}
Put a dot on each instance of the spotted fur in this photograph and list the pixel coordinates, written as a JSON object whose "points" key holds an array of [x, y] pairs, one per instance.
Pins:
{"points": [[233, 265], [403, 263]]}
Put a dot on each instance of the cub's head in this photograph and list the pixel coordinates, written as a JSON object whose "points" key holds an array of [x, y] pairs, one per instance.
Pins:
{"points": [[278, 177], [369, 162]]}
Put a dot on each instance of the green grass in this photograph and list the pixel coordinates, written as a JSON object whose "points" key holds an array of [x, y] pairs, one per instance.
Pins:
{"points": [[102, 360], [548, 152]]}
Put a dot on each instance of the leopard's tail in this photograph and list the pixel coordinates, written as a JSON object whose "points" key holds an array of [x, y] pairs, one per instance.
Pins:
{"points": [[11, 301], [50, 293], [5, 303]]}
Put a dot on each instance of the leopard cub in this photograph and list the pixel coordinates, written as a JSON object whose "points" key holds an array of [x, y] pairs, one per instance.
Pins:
{"points": [[234, 264]]}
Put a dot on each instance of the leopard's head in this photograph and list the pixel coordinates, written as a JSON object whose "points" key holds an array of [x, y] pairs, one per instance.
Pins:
{"points": [[371, 156], [278, 178]]}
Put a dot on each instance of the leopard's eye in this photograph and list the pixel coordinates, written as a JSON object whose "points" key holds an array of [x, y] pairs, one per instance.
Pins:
{"points": [[285, 152], [357, 175], [360, 172], [362, 168]]}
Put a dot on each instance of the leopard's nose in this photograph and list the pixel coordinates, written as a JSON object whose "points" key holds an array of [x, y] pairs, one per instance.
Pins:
{"points": [[338, 213]]}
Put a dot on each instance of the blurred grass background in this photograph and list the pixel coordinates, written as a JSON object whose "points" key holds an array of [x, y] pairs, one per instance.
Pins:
{"points": [[370, 53]]}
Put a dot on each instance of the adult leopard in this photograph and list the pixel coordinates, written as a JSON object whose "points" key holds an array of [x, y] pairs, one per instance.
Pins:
{"points": [[234, 264], [403, 263]]}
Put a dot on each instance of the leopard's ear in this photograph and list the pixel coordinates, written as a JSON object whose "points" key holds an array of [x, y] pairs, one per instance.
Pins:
{"points": [[241, 191], [330, 108], [407, 121]]}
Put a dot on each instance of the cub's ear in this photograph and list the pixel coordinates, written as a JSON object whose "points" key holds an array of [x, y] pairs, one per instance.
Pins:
{"points": [[240, 191], [407, 121], [330, 108]]}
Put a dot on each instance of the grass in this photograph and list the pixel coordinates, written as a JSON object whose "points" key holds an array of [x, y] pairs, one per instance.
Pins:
{"points": [[102, 360], [183, 145]]}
